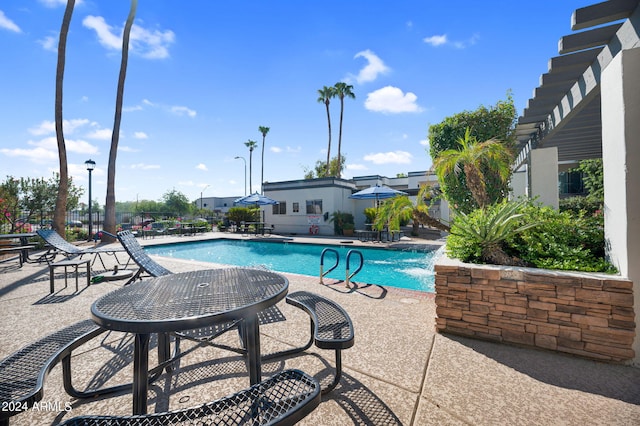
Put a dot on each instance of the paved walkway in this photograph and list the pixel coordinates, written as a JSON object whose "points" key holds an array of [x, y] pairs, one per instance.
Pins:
{"points": [[400, 371]]}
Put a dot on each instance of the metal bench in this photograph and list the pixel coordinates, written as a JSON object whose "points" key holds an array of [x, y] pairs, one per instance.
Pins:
{"points": [[331, 328], [22, 374], [283, 399]]}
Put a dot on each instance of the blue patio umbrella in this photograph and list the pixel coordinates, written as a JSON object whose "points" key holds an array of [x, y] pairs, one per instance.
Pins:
{"points": [[377, 192], [255, 199]]}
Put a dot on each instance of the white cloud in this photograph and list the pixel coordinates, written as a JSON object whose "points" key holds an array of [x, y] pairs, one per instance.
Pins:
{"points": [[132, 108], [392, 100], [182, 110], [49, 43], [440, 40], [36, 155], [275, 149], [393, 157], [103, 31], [150, 44], [8, 24], [202, 167], [374, 67], [127, 149], [80, 146], [140, 135], [436, 40], [143, 166], [294, 150], [357, 167], [47, 127], [101, 134], [424, 142]]}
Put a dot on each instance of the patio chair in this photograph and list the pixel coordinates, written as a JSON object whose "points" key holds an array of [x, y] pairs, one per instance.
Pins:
{"points": [[60, 245], [140, 257]]}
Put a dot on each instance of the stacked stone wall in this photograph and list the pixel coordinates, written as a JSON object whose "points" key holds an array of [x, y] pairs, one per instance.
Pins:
{"points": [[589, 315]]}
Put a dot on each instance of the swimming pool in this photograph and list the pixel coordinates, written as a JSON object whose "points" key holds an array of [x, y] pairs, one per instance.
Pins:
{"points": [[409, 269]]}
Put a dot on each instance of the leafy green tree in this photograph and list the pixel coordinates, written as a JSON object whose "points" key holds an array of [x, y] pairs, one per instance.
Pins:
{"points": [[342, 90], [593, 178], [251, 145], [24, 199], [264, 130], [176, 202], [495, 123], [481, 162], [320, 169], [324, 97], [110, 203]]}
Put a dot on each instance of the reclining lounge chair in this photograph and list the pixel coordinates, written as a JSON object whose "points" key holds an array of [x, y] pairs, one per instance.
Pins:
{"points": [[60, 245]]}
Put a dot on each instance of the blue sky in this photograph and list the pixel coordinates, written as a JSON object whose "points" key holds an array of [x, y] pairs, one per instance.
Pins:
{"points": [[203, 75]]}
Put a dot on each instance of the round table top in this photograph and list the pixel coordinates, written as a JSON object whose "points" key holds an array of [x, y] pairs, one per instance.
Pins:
{"points": [[189, 300]]}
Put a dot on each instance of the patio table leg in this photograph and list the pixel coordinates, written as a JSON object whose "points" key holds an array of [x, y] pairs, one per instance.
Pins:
{"points": [[252, 333], [140, 373]]}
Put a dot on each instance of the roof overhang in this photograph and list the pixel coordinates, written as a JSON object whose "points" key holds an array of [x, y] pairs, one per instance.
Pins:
{"points": [[564, 111]]}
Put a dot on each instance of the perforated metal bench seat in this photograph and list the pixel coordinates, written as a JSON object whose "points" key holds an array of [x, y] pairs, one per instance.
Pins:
{"points": [[331, 328], [22, 373], [283, 399]]}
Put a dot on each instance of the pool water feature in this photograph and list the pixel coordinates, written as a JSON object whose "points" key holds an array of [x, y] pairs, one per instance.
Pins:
{"points": [[408, 269]]}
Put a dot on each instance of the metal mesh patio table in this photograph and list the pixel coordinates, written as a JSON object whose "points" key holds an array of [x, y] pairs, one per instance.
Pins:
{"points": [[186, 301]]}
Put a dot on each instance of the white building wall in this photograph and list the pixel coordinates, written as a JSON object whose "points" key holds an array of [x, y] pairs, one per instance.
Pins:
{"points": [[620, 91], [333, 199]]}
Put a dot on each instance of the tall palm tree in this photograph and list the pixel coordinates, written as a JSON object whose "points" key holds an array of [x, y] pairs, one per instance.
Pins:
{"points": [[475, 159], [110, 202], [251, 145], [264, 130], [342, 90], [63, 187], [324, 97]]}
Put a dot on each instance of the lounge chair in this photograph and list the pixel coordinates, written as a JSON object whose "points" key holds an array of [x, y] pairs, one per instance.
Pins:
{"points": [[140, 257], [62, 246]]}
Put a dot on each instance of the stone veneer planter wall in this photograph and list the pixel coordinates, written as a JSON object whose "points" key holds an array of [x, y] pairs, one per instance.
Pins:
{"points": [[589, 315]]}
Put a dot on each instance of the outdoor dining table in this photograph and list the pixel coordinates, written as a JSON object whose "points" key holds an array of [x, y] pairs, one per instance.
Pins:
{"points": [[24, 242], [187, 301]]}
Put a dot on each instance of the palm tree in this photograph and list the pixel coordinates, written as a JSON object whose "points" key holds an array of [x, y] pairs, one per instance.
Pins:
{"points": [[341, 90], [63, 187], [324, 97], [476, 160], [110, 202], [264, 130], [402, 208], [251, 145]]}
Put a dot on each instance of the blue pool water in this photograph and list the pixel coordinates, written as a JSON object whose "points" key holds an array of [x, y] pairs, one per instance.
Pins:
{"points": [[394, 268]]}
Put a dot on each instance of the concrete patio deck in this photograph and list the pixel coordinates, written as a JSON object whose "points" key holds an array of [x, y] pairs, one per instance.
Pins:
{"points": [[399, 372]]}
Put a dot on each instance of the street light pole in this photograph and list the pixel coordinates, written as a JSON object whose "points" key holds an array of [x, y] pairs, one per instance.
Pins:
{"points": [[90, 166], [245, 173], [203, 189]]}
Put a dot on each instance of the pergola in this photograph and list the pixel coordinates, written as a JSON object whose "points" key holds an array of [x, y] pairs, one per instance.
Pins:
{"points": [[588, 106], [565, 110]]}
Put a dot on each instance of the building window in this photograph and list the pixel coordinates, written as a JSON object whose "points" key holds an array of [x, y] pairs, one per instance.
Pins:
{"points": [[296, 207], [280, 208], [314, 206], [571, 183]]}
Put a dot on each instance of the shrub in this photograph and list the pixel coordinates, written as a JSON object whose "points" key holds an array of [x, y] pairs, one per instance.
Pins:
{"points": [[576, 205], [563, 240], [480, 236], [559, 240]]}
